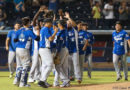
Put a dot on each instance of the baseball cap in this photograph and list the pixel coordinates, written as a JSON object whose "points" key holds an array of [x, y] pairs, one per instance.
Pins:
{"points": [[119, 22]]}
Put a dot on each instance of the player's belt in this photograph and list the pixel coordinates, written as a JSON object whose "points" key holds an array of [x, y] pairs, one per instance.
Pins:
{"points": [[46, 47]]}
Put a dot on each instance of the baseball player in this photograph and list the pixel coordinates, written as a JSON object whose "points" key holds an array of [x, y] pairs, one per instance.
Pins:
{"points": [[118, 37], [62, 52], [23, 39], [73, 48], [45, 52], [88, 53], [34, 74], [82, 45], [11, 46]]}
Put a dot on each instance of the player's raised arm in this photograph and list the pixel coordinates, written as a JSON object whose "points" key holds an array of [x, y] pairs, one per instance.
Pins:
{"points": [[42, 8], [67, 15]]}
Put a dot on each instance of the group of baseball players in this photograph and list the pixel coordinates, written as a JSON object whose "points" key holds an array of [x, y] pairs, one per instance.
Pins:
{"points": [[60, 45]]}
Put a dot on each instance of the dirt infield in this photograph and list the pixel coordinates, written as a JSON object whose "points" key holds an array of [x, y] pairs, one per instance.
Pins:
{"points": [[113, 86]]}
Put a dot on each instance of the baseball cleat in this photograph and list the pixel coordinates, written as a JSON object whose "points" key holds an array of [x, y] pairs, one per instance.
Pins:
{"points": [[47, 84], [119, 78], [65, 84], [42, 84], [126, 79], [22, 85], [56, 84], [30, 80]]}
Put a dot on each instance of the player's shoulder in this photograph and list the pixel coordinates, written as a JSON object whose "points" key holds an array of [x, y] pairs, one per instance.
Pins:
{"points": [[44, 28], [11, 31], [90, 33], [123, 31], [114, 32]]}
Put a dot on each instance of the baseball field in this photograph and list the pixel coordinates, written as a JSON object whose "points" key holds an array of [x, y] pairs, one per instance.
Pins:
{"points": [[101, 80]]}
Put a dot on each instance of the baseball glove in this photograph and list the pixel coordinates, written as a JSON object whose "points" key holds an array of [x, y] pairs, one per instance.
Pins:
{"points": [[56, 60]]}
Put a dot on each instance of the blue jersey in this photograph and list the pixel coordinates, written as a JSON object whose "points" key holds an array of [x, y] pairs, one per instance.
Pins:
{"points": [[53, 43], [119, 41], [12, 44], [82, 37], [61, 41], [44, 38], [90, 41], [71, 41], [24, 36]]}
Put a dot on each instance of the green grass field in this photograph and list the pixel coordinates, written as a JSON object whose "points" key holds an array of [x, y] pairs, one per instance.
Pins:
{"points": [[98, 77]]}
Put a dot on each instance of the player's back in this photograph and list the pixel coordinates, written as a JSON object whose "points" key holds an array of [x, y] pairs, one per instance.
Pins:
{"points": [[24, 36]]}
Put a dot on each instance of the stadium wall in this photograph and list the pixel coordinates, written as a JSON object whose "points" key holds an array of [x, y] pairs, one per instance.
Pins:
{"points": [[102, 50]]}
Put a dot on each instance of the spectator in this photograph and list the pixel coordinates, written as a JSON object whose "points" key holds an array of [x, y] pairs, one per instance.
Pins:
{"points": [[2, 3], [109, 16], [96, 11], [19, 7], [123, 12], [2, 18]]}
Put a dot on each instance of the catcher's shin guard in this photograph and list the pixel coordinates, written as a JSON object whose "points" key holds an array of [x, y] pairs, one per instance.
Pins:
{"points": [[24, 76]]}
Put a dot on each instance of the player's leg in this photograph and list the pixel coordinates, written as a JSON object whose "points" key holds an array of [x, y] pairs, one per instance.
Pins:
{"points": [[11, 57], [62, 68], [56, 79], [34, 66], [65, 65], [47, 61], [37, 72], [18, 69], [81, 62], [117, 69], [125, 68], [89, 57], [25, 60], [77, 72], [71, 67]]}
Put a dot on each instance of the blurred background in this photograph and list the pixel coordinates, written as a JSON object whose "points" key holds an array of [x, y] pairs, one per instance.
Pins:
{"points": [[100, 15]]}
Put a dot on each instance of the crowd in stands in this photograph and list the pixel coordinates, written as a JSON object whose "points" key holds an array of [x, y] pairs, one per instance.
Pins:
{"points": [[99, 14]]}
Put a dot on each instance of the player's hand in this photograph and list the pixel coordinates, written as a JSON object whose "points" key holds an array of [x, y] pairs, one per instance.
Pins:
{"points": [[54, 18], [42, 8], [55, 29], [7, 48], [67, 15], [84, 49]]}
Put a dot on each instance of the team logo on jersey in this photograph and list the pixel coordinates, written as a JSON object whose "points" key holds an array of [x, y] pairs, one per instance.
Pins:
{"points": [[22, 37], [117, 38]]}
